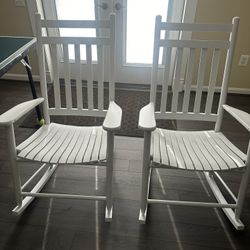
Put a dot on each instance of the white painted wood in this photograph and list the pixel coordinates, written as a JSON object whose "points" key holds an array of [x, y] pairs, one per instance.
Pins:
{"points": [[199, 27], [56, 144], [242, 117], [65, 196], [89, 77], [200, 80], [113, 117], [100, 55], [146, 172], [112, 58], [91, 144], [41, 64], [227, 210], [109, 175], [170, 151], [227, 149], [226, 158], [75, 23], [234, 148], [76, 150], [201, 155], [188, 81], [42, 130], [178, 154], [156, 148], [97, 145], [166, 80], [84, 145], [103, 149], [37, 188], [56, 83], [67, 76], [163, 148], [37, 144], [212, 80], [147, 117], [227, 69], [205, 151], [33, 176], [201, 151], [243, 186], [15, 113], [194, 44], [155, 60], [191, 203], [75, 40], [186, 116], [176, 83], [191, 151], [66, 144], [78, 77], [77, 112]]}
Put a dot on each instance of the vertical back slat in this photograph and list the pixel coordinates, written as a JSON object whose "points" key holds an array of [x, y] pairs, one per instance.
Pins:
{"points": [[176, 86], [200, 80], [89, 76], [165, 80], [112, 59], [56, 83], [100, 76], [212, 80], [67, 76], [155, 59], [188, 80], [78, 77]]}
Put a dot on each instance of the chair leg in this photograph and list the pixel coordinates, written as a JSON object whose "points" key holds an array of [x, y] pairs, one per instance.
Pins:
{"points": [[243, 187], [145, 177], [13, 164], [109, 176]]}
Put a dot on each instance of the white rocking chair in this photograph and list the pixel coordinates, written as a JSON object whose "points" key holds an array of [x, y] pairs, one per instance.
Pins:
{"points": [[54, 144], [206, 151]]}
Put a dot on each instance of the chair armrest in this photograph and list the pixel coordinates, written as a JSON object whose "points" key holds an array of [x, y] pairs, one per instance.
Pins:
{"points": [[18, 111], [147, 118], [113, 117], [242, 117]]}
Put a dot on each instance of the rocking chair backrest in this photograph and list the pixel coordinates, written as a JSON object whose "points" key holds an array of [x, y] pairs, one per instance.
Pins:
{"points": [[176, 104], [63, 101]]}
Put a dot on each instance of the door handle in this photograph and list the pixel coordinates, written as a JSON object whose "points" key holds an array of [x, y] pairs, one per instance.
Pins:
{"points": [[103, 5], [118, 6]]}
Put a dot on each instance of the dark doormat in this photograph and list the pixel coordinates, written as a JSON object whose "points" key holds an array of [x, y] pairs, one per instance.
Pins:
{"points": [[131, 101]]}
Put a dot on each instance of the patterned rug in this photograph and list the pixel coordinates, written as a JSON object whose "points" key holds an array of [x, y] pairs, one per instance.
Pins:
{"points": [[131, 101]]}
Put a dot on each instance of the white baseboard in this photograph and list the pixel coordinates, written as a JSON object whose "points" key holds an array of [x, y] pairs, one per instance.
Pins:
{"points": [[231, 90], [19, 77]]}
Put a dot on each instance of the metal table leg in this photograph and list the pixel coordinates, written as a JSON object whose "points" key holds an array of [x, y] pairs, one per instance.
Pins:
{"points": [[33, 90]]}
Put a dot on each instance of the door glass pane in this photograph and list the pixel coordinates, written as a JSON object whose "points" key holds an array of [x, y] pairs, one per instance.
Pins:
{"points": [[77, 10], [140, 28]]}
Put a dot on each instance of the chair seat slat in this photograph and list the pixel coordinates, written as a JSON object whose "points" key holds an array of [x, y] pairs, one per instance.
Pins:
{"points": [[69, 144], [199, 151]]}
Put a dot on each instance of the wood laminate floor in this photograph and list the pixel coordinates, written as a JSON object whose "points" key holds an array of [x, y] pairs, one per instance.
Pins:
{"points": [[62, 224]]}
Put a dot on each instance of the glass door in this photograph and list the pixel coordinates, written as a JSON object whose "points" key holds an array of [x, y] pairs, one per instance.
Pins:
{"points": [[134, 29]]}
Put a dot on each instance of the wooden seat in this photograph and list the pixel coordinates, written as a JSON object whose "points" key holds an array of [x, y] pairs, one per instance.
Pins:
{"points": [[55, 144], [195, 150], [64, 144], [188, 72]]}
